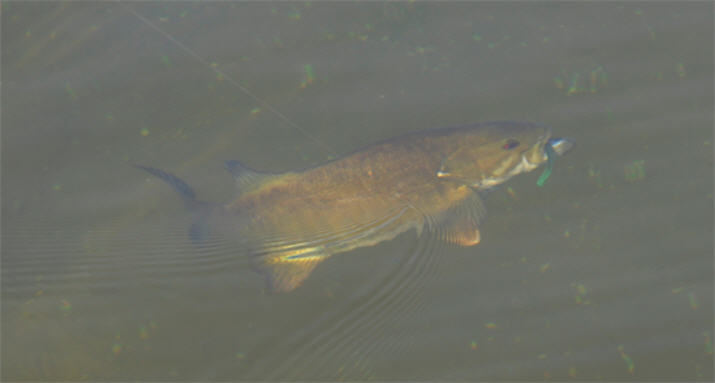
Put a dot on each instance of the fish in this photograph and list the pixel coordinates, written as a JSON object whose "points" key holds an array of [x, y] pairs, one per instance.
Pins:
{"points": [[433, 180]]}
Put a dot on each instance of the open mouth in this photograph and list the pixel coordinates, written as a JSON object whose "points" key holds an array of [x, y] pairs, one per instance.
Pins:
{"points": [[552, 148], [560, 145], [523, 166], [555, 146]]}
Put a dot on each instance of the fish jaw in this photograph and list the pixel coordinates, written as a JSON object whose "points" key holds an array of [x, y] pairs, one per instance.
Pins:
{"points": [[561, 145], [517, 162], [538, 153], [530, 159], [522, 166]]}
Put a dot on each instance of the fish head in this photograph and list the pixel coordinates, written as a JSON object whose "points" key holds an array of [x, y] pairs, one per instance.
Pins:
{"points": [[489, 154]]}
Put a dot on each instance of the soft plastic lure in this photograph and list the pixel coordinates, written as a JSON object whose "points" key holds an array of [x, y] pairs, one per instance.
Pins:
{"points": [[549, 164]]}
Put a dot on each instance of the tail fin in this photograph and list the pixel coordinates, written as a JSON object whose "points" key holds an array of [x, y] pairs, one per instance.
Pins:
{"points": [[199, 230], [181, 187]]}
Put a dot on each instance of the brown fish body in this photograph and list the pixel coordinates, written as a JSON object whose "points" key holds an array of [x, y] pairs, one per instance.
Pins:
{"points": [[356, 190], [293, 221]]}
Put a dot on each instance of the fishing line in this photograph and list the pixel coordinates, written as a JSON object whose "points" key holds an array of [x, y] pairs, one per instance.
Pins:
{"points": [[230, 79]]}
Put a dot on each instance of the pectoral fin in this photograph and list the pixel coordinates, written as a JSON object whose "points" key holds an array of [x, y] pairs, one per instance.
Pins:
{"points": [[286, 270], [460, 224]]}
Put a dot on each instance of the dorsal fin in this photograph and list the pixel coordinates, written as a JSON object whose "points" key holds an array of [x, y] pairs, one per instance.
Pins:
{"points": [[244, 176]]}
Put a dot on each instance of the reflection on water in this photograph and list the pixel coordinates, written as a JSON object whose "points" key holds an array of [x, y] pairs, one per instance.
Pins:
{"points": [[605, 272]]}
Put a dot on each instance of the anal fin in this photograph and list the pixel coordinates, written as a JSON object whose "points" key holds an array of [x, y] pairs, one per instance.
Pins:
{"points": [[286, 270]]}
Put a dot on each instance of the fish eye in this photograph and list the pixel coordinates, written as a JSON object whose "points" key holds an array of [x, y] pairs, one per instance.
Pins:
{"points": [[510, 144]]}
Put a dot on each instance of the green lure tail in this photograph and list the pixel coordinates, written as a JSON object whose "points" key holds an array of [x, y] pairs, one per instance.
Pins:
{"points": [[549, 164]]}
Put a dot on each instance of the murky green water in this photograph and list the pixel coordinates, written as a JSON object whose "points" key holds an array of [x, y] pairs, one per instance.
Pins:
{"points": [[604, 273]]}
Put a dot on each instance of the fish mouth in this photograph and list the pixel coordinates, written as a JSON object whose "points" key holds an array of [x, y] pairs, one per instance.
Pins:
{"points": [[539, 153], [522, 166], [560, 145]]}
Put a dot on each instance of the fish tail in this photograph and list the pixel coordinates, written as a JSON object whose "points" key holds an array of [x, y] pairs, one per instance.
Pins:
{"points": [[199, 230], [185, 191]]}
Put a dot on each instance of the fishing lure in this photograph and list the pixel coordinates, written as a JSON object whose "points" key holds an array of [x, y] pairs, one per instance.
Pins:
{"points": [[549, 164]]}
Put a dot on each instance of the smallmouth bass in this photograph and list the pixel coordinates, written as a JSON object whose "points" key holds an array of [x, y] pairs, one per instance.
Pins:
{"points": [[431, 179]]}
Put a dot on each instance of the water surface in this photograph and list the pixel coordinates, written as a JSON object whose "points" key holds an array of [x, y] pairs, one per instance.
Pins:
{"points": [[604, 273]]}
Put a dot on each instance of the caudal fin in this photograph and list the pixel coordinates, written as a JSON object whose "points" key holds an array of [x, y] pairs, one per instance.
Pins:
{"points": [[181, 187], [199, 230]]}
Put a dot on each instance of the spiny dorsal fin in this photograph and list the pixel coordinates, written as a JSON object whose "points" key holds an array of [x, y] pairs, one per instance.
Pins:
{"points": [[244, 176]]}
